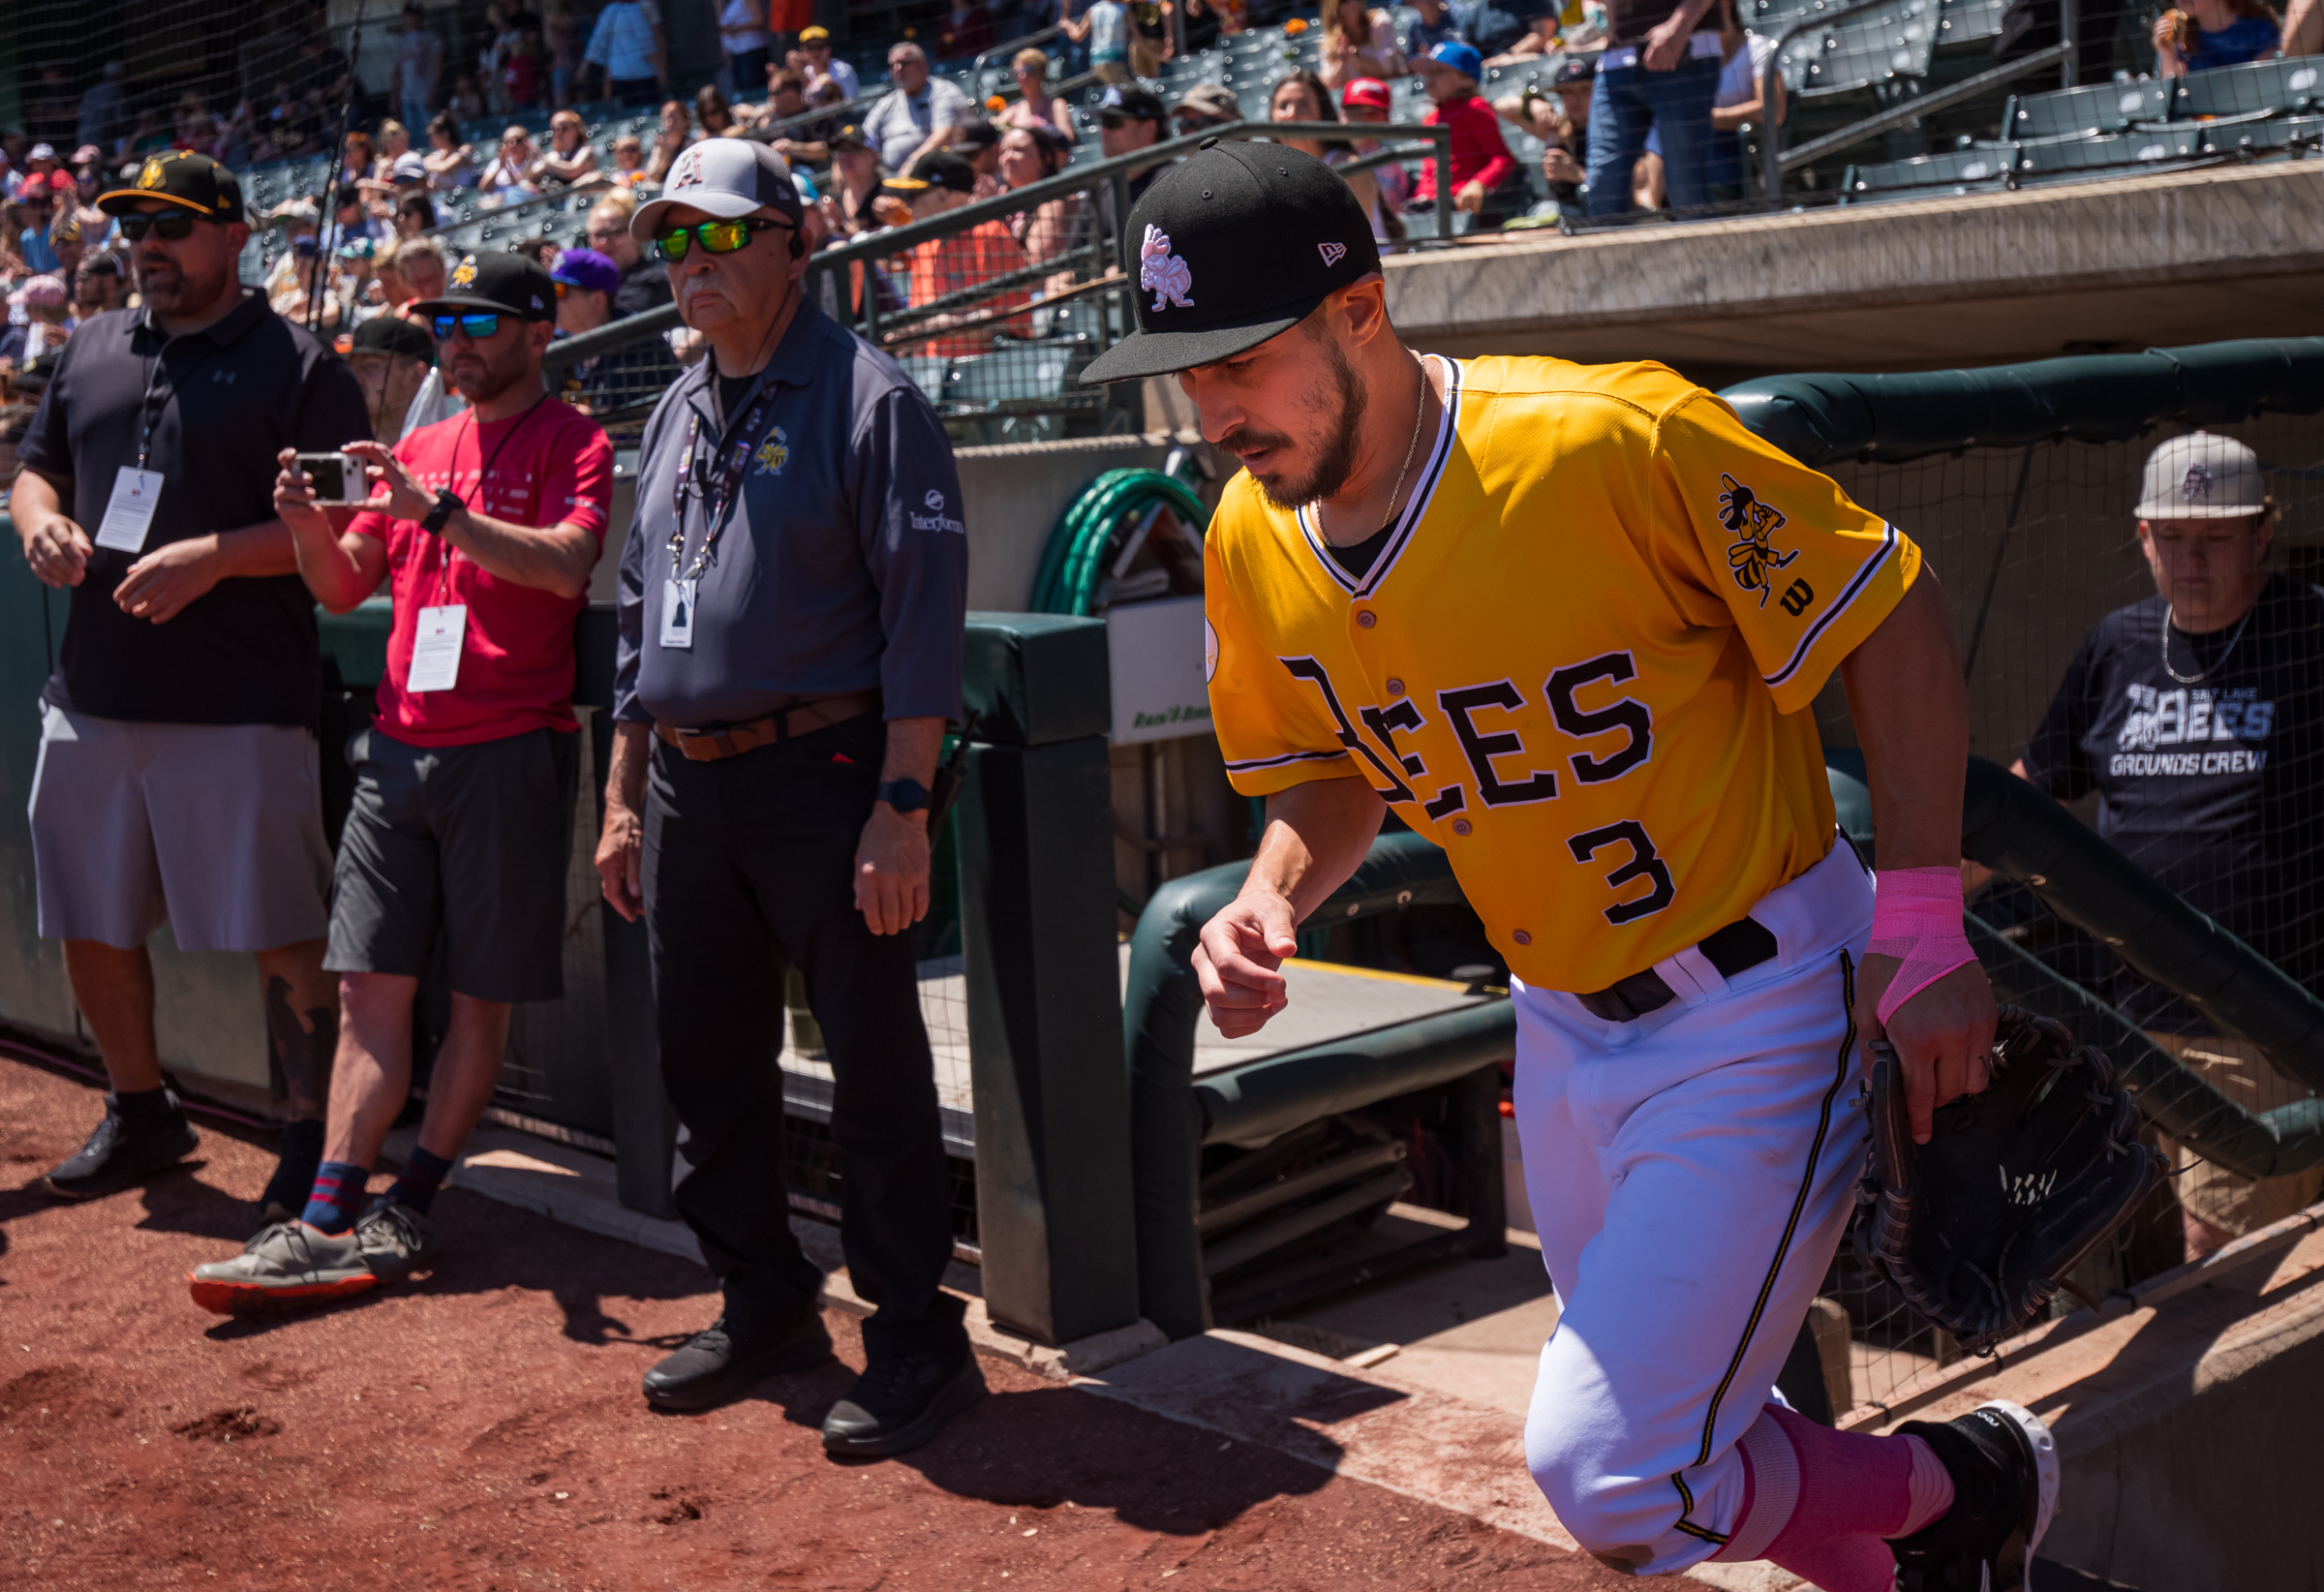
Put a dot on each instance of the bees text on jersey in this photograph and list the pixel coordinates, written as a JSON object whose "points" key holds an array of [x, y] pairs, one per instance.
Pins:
{"points": [[1581, 662]]}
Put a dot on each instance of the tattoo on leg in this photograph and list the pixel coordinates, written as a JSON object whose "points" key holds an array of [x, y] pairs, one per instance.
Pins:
{"points": [[302, 1049]]}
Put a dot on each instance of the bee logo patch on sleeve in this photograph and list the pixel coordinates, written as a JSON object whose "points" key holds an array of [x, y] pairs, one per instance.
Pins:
{"points": [[1752, 522]]}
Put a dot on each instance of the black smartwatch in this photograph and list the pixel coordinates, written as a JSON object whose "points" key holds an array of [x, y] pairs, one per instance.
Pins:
{"points": [[903, 795], [447, 504]]}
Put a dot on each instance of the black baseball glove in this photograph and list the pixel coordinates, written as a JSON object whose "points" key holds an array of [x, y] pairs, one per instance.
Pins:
{"points": [[1978, 1227]]}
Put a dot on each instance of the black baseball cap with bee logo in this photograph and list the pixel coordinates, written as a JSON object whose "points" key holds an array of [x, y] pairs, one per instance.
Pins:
{"points": [[510, 283], [183, 179], [1232, 246]]}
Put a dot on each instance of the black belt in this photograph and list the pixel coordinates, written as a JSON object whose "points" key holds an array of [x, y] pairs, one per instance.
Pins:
{"points": [[1741, 945]]}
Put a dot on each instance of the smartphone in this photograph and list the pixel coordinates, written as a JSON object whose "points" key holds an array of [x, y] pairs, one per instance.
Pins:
{"points": [[338, 478]]}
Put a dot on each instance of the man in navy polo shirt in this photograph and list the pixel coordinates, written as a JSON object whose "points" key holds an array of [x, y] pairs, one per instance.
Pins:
{"points": [[792, 603]]}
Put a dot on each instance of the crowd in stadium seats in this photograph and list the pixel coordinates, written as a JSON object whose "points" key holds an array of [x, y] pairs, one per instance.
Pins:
{"points": [[1586, 112]]}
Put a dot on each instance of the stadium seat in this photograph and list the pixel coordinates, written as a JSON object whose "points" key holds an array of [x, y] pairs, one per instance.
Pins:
{"points": [[2065, 156], [1960, 22], [1878, 48], [2104, 108], [1960, 171], [2261, 138], [2283, 87]]}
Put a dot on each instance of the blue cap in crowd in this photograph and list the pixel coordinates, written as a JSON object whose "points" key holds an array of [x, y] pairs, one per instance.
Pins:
{"points": [[588, 270], [1460, 57]]}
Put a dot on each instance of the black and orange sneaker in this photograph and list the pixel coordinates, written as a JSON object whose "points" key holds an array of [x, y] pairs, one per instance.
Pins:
{"points": [[288, 1266]]}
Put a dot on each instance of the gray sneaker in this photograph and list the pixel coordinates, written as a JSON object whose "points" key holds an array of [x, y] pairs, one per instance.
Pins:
{"points": [[288, 1266], [397, 1240]]}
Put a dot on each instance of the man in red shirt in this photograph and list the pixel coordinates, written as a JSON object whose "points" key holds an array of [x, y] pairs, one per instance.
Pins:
{"points": [[1483, 170], [462, 825]]}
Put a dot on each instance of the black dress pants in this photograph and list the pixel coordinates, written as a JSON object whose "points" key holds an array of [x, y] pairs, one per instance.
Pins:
{"points": [[748, 863]]}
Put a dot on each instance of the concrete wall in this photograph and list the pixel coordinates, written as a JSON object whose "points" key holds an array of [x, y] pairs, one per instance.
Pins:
{"points": [[1929, 284]]}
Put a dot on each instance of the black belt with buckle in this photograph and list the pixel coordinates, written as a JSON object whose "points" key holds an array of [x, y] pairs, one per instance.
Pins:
{"points": [[1741, 945]]}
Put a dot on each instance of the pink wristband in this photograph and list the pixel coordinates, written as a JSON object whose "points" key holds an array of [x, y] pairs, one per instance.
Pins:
{"points": [[1916, 919]]}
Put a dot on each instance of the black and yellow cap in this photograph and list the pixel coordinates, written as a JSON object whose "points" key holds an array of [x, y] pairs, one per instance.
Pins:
{"points": [[180, 177]]}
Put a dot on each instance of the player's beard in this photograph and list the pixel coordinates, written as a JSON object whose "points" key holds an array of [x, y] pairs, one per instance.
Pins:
{"points": [[1336, 420]]}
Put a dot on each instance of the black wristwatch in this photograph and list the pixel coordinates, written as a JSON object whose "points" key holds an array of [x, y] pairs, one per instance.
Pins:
{"points": [[903, 795], [447, 504]]}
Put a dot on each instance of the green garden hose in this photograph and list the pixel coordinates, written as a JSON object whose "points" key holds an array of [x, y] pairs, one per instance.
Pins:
{"points": [[1073, 566]]}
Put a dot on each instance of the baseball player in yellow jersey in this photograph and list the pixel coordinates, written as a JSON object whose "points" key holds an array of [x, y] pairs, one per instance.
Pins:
{"points": [[1565, 622]]}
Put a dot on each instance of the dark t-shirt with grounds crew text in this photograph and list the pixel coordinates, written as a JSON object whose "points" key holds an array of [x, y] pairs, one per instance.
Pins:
{"points": [[2214, 780], [222, 402]]}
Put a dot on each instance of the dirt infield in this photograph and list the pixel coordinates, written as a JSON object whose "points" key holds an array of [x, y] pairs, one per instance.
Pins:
{"points": [[482, 1429]]}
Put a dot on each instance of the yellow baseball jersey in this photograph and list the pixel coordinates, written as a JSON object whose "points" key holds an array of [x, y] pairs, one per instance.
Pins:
{"points": [[1579, 664]]}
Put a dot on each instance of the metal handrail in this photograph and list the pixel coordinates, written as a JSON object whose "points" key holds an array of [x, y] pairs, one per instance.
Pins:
{"points": [[1773, 161], [977, 63], [1968, 88]]}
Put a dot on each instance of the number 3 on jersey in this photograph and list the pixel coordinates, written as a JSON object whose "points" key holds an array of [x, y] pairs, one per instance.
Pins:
{"points": [[1497, 763]]}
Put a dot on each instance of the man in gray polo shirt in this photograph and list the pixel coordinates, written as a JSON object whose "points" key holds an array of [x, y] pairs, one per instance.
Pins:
{"points": [[791, 606]]}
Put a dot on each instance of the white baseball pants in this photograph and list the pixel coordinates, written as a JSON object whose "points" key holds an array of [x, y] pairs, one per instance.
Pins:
{"points": [[1690, 1175]]}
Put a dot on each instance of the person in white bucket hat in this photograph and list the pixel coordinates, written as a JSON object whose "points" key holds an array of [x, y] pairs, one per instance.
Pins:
{"points": [[2198, 715]]}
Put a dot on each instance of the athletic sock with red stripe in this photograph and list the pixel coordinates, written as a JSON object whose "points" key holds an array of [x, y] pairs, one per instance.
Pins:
{"points": [[1820, 1503], [337, 1198], [423, 1174]]}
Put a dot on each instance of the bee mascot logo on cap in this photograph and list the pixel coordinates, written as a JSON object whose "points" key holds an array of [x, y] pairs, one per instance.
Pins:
{"points": [[1162, 273], [463, 275], [149, 175]]}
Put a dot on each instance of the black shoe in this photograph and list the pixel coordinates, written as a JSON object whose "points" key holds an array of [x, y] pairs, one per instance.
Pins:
{"points": [[903, 1400], [2003, 1463], [297, 1161], [123, 1150], [720, 1363]]}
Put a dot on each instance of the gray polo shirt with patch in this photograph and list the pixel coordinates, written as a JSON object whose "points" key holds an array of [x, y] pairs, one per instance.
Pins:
{"points": [[842, 564]]}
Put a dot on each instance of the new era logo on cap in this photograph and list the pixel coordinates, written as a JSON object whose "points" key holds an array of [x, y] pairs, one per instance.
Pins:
{"points": [[1333, 253]]}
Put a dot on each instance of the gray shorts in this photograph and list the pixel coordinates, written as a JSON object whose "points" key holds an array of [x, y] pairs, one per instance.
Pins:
{"points": [[215, 829], [469, 841]]}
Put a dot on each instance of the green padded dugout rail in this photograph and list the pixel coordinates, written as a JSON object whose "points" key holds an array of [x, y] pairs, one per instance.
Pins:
{"points": [[1171, 1116], [1824, 419]]}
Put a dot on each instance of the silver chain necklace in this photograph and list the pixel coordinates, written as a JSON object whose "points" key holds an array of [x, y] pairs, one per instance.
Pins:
{"points": [[2169, 617], [1419, 413]]}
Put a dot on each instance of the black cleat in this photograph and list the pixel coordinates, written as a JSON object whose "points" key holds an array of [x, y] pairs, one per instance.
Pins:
{"points": [[720, 1363], [122, 1150], [2003, 1463], [903, 1400], [297, 1161]]}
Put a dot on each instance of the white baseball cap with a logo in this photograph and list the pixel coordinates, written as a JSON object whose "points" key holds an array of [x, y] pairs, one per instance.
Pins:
{"points": [[2200, 476], [721, 178]]}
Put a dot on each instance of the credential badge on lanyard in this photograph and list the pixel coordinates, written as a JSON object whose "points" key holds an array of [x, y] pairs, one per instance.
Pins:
{"points": [[681, 592]]}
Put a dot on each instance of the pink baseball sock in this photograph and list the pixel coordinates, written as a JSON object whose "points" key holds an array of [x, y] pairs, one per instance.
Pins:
{"points": [[1820, 1503]]}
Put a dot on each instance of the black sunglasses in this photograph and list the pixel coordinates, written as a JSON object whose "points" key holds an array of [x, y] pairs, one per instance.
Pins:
{"points": [[176, 227], [718, 237], [477, 327]]}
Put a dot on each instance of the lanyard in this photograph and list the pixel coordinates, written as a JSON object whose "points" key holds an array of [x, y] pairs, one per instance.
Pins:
{"points": [[444, 576], [729, 476]]}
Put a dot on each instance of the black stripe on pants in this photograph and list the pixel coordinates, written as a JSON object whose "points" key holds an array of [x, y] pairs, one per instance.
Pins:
{"points": [[749, 863]]}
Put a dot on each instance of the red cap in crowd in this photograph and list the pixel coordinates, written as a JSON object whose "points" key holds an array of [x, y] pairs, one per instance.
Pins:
{"points": [[1369, 91]]}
